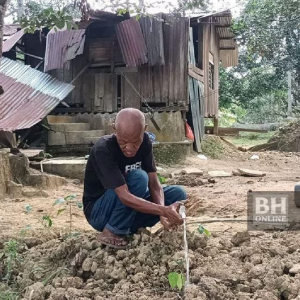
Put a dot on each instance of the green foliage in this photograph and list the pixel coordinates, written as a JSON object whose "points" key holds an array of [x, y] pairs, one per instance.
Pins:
{"points": [[269, 29], [8, 295], [248, 139], [202, 229], [11, 255], [48, 18], [176, 280], [161, 179]]}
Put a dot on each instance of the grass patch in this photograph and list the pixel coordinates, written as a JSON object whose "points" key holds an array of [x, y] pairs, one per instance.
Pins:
{"points": [[249, 139]]}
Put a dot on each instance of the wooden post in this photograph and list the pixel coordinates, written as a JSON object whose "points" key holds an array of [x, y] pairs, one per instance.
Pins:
{"points": [[290, 99], [216, 126]]}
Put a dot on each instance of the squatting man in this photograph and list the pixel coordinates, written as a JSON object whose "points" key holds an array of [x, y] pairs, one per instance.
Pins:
{"points": [[122, 192]]}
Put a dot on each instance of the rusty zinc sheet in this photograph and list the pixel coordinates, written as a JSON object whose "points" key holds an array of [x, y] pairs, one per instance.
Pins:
{"points": [[12, 40], [29, 95], [152, 28], [132, 43], [62, 47]]}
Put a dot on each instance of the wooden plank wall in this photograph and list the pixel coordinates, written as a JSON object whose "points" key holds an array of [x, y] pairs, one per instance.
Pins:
{"points": [[129, 97], [169, 84], [210, 45]]}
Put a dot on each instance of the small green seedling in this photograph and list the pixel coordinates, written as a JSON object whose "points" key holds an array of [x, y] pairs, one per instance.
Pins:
{"points": [[28, 209], [47, 221], [176, 280], [68, 201], [202, 229]]}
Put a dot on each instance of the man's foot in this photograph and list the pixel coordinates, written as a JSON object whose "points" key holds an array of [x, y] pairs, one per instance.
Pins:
{"points": [[111, 240]]}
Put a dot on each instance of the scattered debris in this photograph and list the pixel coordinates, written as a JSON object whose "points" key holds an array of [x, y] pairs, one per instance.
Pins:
{"points": [[219, 174], [189, 171], [202, 156], [251, 173], [254, 157]]}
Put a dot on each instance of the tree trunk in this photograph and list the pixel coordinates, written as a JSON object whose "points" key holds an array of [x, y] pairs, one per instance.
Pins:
{"points": [[3, 5]]}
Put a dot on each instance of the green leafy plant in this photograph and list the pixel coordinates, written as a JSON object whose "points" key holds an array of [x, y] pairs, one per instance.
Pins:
{"points": [[48, 18], [28, 209], [176, 280], [8, 295], [203, 230], [161, 179], [47, 221], [11, 255], [68, 201]]}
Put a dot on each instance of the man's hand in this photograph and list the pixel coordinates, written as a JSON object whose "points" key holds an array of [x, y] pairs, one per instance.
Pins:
{"points": [[171, 215], [165, 223]]}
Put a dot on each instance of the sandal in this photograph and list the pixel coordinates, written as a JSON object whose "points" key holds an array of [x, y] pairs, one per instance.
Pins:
{"points": [[105, 241]]}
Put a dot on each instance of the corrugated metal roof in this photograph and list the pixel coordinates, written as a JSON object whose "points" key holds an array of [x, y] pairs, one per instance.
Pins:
{"points": [[9, 30], [132, 42], [12, 40], [62, 47], [29, 95]]}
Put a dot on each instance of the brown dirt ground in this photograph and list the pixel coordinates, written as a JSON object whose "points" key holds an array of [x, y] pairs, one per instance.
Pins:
{"points": [[224, 199], [239, 266]]}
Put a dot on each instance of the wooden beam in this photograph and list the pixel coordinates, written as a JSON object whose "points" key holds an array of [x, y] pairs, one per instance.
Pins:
{"points": [[195, 75], [126, 70], [227, 49], [216, 126], [227, 38], [232, 131], [196, 70], [223, 26]]}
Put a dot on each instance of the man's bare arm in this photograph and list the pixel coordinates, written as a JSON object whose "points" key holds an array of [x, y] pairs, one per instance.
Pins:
{"points": [[156, 190], [148, 207]]}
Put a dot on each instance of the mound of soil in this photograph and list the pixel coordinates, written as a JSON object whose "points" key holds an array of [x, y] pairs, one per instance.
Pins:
{"points": [[287, 138], [215, 147], [243, 267]]}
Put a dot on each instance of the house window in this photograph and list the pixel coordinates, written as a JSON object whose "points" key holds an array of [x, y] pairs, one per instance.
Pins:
{"points": [[211, 76]]}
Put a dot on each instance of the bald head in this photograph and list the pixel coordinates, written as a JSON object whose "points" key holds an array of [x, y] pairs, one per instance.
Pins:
{"points": [[130, 126], [130, 121]]}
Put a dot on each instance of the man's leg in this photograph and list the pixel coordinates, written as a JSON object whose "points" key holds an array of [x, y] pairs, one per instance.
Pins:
{"points": [[173, 193], [111, 214]]}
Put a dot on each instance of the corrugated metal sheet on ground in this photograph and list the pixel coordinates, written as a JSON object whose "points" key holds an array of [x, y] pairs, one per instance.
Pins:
{"points": [[62, 47], [132, 42], [10, 42], [29, 95], [152, 28]]}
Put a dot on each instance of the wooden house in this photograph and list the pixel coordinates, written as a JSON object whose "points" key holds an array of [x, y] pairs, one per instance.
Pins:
{"points": [[164, 65]]}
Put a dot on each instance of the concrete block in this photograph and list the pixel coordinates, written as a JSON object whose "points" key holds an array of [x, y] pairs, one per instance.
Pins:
{"points": [[60, 119], [79, 137], [56, 138], [93, 140], [70, 126], [71, 168]]}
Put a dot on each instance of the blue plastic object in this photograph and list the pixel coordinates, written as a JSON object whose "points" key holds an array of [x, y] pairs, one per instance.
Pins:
{"points": [[152, 136]]}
